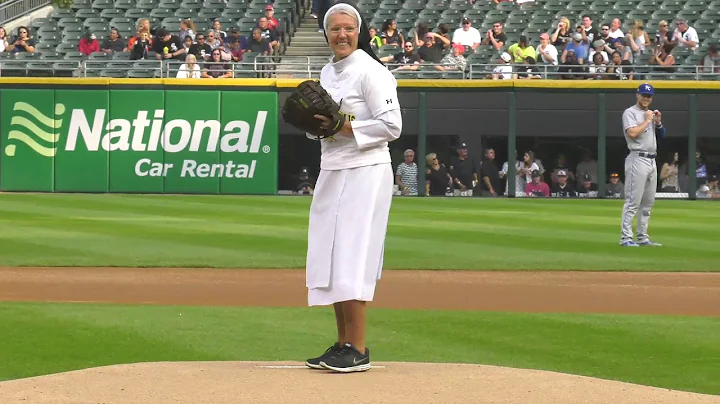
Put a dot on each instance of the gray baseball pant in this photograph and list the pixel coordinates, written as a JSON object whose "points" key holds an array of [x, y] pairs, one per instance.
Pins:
{"points": [[640, 188]]}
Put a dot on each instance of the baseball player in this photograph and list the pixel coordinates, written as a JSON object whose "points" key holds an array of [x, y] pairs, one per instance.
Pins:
{"points": [[640, 125]]}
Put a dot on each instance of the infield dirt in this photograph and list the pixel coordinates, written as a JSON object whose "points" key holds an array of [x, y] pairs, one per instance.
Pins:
{"points": [[255, 382]]}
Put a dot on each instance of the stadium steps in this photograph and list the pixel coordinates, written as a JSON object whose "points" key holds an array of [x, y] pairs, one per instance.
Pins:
{"points": [[308, 44]]}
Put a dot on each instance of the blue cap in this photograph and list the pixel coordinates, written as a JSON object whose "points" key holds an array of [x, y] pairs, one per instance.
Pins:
{"points": [[646, 89]]}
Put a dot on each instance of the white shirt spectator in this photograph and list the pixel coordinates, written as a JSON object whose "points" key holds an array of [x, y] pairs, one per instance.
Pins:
{"points": [[505, 72], [549, 54], [616, 34], [689, 35], [467, 38], [186, 73], [604, 54]]}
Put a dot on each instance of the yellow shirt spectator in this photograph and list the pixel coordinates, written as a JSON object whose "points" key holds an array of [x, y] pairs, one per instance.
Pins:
{"points": [[519, 54]]}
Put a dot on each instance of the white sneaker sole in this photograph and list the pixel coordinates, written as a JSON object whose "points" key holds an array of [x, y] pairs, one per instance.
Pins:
{"points": [[358, 368], [311, 366]]}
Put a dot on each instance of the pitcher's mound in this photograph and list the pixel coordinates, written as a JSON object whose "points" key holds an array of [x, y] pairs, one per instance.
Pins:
{"points": [[291, 382]]}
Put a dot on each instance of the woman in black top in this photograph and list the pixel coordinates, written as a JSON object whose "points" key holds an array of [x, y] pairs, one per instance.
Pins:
{"points": [[437, 178], [664, 61], [390, 35]]}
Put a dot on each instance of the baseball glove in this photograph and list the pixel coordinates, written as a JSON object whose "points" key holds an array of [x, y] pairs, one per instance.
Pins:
{"points": [[310, 99]]}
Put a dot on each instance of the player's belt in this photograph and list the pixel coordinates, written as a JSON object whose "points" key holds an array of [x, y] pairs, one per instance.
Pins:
{"points": [[646, 154]]}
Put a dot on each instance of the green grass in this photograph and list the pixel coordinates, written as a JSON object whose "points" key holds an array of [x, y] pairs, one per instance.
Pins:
{"points": [[271, 232], [671, 352]]}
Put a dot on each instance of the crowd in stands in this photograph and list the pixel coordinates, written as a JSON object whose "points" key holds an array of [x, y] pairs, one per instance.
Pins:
{"points": [[463, 176]]}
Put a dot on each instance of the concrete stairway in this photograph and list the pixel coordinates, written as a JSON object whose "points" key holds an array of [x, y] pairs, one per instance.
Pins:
{"points": [[306, 45]]}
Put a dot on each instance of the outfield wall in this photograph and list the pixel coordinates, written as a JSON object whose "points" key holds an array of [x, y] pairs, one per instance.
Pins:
{"points": [[221, 136]]}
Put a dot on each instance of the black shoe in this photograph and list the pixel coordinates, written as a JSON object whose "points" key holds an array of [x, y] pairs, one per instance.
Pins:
{"points": [[314, 363], [348, 359]]}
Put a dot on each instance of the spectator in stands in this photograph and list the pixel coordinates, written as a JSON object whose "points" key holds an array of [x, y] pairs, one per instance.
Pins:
{"points": [[168, 46], [571, 68], [201, 49], [605, 33], [273, 22], [619, 69], [375, 40], [467, 35], [685, 36], [143, 23], [527, 166], [322, 6], [663, 59], [600, 47], [669, 174], [598, 68], [495, 36], [701, 172], [562, 188], [709, 190], [519, 179], [407, 59], [663, 34], [189, 69], [305, 184], [453, 61], [437, 178], [710, 63], [187, 29], [216, 68], [141, 46], [503, 71], [133, 40], [88, 43], [615, 188], [561, 36], [390, 35], [537, 187], [528, 70], [626, 53], [577, 45], [586, 167], [444, 31], [114, 43], [236, 43], [3, 40], [616, 29], [406, 175], [421, 29], [463, 170], [187, 44], [213, 39], [217, 29], [490, 183], [433, 47], [591, 33], [23, 41], [257, 43], [269, 33], [521, 50], [637, 39], [561, 164], [547, 52], [587, 188]]}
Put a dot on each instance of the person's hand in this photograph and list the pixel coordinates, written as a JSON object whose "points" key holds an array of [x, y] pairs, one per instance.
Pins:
{"points": [[649, 115], [658, 117], [167, 55]]}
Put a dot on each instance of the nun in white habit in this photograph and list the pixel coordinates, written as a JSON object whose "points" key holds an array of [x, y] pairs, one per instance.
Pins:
{"points": [[352, 197]]}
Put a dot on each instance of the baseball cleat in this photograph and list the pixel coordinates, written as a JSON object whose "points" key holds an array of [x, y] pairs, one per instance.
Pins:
{"points": [[347, 359], [628, 243], [314, 363], [649, 243]]}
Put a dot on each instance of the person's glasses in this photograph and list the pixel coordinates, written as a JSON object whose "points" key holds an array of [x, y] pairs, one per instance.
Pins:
{"points": [[605, 29], [496, 26], [408, 46]]}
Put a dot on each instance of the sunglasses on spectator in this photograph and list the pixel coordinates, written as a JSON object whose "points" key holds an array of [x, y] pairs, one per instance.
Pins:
{"points": [[496, 26]]}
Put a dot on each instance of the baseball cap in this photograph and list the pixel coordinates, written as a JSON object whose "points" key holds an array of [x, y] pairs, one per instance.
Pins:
{"points": [[577, 36], [269, 7], [587, 177], [506, 57], [462, 146], [646, 88], [535, 173], [544, 36], [562, 173], [161, 32]]}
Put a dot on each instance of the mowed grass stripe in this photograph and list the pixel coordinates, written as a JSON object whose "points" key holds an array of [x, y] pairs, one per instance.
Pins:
{"points": [[451, 233], [672, 352]]}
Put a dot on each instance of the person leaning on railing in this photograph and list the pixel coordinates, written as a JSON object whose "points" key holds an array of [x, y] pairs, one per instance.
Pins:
{"points": [[216, 69], [598, 68]]}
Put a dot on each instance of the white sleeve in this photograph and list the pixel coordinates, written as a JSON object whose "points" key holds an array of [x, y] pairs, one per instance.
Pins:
{"points": [[692, 35], [384, 128], [477, 37]]}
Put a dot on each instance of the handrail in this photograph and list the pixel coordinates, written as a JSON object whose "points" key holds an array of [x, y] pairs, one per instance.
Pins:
{"points": [[14, 9]]}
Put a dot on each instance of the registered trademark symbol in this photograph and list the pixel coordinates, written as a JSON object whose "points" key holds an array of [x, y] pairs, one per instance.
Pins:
{"points": [[266, 149]]}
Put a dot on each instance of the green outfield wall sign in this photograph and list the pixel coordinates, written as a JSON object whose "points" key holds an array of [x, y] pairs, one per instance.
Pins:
{"points": [[144, 141]]}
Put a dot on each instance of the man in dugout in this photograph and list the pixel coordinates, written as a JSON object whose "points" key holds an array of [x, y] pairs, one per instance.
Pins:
{"points": [[464, 172]]}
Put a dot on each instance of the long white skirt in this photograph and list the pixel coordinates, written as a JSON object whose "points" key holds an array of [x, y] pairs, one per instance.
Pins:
{"points": [[346, 236]]}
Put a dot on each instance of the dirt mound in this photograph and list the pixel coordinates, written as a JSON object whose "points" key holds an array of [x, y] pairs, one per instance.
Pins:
{"points": [[291, 382]]}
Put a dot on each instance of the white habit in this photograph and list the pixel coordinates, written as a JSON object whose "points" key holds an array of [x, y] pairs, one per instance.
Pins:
{"points": [[352, 197]]}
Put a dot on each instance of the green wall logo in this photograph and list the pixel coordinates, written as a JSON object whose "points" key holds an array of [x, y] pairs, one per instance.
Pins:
{"points": [[26, 128]]}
